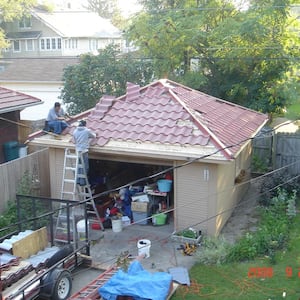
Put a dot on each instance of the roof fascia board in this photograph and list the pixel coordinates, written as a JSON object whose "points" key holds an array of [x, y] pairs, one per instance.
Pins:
{"points": [[216, 141], [112, 151], [20, 107]]}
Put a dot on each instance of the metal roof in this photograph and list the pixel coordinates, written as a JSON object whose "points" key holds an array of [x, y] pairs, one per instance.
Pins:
{"points": [[11, 100]]}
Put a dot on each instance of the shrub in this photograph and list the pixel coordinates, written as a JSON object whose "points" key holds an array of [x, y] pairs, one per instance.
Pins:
{"points": [[213, 251], [273, 231]]}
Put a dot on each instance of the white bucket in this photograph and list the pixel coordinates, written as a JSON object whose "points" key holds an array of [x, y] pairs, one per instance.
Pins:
{"points": [[144, 247], [81, 229], [116, 225]]}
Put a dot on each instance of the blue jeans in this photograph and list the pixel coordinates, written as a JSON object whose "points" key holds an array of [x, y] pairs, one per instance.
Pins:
{"points": [[85, 156], [58, 126]]}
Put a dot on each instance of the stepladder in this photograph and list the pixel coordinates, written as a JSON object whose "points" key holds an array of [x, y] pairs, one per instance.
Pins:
{"points": [[78, 206]]}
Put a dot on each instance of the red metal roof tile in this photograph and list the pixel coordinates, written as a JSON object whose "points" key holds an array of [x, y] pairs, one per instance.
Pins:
{"points": [[11, 100], [165, 112]]}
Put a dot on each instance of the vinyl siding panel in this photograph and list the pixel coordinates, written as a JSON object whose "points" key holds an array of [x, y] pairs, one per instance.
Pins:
{"points": [[192, 196], [56, 158], [229, 192]]}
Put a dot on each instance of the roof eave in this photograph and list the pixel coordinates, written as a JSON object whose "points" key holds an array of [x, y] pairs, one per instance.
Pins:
{"points": [[19, 107]]}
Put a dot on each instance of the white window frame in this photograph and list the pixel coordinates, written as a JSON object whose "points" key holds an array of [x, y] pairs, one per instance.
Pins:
{"points": [[50, 43], [27, 43], [13, 44], [23, 21]]}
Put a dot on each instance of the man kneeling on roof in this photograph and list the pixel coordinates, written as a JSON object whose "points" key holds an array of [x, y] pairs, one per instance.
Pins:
{"points": [[56, 119]]}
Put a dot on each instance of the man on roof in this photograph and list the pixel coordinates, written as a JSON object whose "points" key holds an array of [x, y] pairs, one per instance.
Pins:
{"points": [[55, 120], [82, 137]]}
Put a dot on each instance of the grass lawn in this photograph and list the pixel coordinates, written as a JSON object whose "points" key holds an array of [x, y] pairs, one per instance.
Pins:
{"points": [[231, 281]]}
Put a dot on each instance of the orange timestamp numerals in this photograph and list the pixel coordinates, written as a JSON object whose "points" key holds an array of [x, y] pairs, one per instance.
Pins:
{"points": [[260, 272], [268, 272]]}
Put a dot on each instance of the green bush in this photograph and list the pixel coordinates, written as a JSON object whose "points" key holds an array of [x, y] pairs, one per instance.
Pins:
{"points": [[273, 231], [213, 251]]}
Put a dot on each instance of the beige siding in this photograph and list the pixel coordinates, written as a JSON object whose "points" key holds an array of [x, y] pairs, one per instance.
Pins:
{"points": [[229, 192], [56, 159], [194, 197]]}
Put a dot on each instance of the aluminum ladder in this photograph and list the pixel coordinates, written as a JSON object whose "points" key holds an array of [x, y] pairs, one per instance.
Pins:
{"points": [[71, 190]]}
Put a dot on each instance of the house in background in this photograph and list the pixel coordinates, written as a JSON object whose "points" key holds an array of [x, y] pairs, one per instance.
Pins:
{"points": [[38, 77], [59, 33], [42, 44], [12, 132], [205, 141]]}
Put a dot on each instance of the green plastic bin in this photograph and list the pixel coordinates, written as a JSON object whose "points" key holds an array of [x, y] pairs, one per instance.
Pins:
{"points": [[11, 150]]}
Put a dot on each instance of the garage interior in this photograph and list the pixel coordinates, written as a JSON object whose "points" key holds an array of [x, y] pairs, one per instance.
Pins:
{"points": [[107, 176]]}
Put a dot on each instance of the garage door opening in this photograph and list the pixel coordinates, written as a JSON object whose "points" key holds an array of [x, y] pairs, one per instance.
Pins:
{"points": [[133, 191]]}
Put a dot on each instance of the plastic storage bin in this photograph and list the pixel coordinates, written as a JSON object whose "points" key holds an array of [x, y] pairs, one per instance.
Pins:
{"points": [[140, 217]]}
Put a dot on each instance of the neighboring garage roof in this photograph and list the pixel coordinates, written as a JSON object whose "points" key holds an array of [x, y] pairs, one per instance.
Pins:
{"points": [[166, 112], [11, 100], [78, 24], [46, 69]]}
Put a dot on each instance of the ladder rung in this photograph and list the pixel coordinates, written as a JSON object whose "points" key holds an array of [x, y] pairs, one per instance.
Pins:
{"points": [[70, 168], [73, 156], [70, 180]]}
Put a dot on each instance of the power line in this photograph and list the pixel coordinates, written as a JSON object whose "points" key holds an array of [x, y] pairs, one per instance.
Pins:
{"points": [[220, 213]]}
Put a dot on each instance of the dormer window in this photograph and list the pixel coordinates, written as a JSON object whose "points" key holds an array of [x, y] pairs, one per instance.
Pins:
{"points": [[25, 23]]}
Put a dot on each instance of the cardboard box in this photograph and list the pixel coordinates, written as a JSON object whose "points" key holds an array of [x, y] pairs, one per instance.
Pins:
{"points": [[139, 206]]}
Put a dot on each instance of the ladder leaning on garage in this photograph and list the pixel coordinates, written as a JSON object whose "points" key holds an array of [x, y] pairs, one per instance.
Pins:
{"points": [[71, 190]]}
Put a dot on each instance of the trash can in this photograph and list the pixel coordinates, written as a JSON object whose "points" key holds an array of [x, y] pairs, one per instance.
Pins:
{"points": [[11, 150]]}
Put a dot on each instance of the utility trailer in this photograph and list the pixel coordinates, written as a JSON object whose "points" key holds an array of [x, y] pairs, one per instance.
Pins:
{"points": [[32, 264]]}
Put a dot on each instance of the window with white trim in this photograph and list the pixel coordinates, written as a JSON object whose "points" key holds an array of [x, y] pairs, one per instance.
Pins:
{"points": [[71, 44], [25, 23], [29, 45], [16, 46], [50, 44]]}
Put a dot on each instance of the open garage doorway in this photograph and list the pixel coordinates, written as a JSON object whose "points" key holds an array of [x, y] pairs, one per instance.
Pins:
{"points": [[115, 184]]}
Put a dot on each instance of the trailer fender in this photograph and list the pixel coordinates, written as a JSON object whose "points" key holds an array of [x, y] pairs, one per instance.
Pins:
{"points": [[57, 284]]}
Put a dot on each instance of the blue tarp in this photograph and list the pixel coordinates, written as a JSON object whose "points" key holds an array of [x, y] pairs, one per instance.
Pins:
{"points": [[137, 283]]}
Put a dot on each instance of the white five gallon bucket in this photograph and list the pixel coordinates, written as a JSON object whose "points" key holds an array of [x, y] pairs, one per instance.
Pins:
{"points": [[81, 229], [116, 225], [144, 247]]}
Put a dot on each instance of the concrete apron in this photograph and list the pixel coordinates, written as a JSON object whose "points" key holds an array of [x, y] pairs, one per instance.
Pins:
{"points": [[108, 246]]}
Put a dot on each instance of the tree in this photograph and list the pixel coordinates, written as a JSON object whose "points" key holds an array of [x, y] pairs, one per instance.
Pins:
{"points": [[105, 73], [244, 56], [10, 10], [103, 8]]}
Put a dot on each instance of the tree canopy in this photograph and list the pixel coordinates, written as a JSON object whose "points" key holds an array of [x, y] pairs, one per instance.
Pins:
{"points": [[250, 56], [10, 10], [105, 73]]}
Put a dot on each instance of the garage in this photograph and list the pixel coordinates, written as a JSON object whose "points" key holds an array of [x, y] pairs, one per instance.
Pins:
{"points": [[148, 194]]}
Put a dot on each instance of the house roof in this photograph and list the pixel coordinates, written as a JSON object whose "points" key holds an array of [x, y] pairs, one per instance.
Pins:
{"points": [[23, 35], [170, 120], [78, 24], [46, 69], [166, 112], [11, 100]]}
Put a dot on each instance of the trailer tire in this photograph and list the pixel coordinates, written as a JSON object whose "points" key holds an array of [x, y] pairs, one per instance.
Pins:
{"points": [[63, 286], [57, 285]]}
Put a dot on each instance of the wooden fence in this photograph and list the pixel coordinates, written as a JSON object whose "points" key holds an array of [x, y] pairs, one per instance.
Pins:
{"points": [[278, 150], [11, 173]]}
